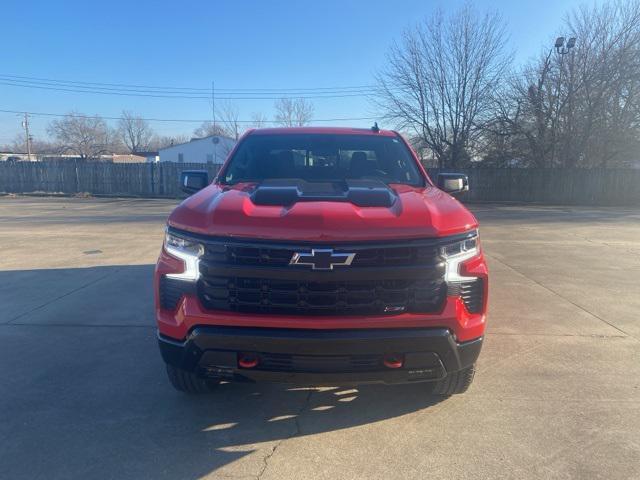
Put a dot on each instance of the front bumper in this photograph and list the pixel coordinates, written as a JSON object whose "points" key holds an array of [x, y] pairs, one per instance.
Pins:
{"points": [[318, 357]]}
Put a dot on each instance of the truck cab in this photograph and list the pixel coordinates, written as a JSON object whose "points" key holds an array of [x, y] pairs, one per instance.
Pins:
{"points": [[321, 256]]}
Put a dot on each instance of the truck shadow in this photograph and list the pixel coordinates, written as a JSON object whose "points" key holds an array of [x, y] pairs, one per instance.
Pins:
{"points": [[239, 425], [83, 381]]}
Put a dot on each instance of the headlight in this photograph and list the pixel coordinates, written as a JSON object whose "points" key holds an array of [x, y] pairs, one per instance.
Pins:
{"points": [[186, 250], [458, 252]]}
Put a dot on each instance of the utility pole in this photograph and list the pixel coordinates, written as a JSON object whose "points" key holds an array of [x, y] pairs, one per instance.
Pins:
{"points": [[213, 104], [25, 124], [213, 114]]}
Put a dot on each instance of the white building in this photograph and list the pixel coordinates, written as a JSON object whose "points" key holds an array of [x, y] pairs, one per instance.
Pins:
{"points": [[213, 149]]}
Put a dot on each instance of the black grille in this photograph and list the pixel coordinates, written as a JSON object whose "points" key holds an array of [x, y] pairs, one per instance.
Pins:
{"points": [[389, 278], [472, 294], [268, 256], [319, 363], [266, 295], [385, 277]]}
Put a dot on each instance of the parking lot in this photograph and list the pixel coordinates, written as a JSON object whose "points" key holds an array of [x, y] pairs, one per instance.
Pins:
{"points": [[83, 393]]}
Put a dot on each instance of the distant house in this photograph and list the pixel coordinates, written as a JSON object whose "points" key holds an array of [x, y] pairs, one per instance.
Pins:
{"points": [[213, 149], [128, 158], [151, 157], [16, 157], [135, 157]]}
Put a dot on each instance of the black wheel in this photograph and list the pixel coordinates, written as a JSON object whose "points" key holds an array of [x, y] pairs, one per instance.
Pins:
{"points": [[456, 382], [189, 382]]}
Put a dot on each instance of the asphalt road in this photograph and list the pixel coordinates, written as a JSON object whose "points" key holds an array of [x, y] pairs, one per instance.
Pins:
{"points": [[83, 393]]}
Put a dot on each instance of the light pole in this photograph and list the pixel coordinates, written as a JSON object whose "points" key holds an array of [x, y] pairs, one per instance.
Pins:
{"points": [[563, 49]]}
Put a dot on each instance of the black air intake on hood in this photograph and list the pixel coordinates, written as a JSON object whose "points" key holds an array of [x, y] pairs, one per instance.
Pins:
{"points": [[285, 192]]}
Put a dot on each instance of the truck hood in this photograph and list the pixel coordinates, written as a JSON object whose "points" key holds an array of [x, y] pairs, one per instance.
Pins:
{"points": [[229, 211]]}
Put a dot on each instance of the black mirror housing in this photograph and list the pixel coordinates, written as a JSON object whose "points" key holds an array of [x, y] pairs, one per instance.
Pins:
{"points": [[192, 181], [453, 183]]}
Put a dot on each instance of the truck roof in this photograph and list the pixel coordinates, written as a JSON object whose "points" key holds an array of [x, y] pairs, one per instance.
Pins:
{"points": [[322, 130]]}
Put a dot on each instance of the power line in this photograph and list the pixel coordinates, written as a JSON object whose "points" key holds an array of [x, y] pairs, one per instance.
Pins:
{"points": [[75, 82], [240, 94], [176, 120], [89, 88], [193, 89], [155, 91], [301, 89], [183, 92], [187, 93], [60, 89], [187, 96]]}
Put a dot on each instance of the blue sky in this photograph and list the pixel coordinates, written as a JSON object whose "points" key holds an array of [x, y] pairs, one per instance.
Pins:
{"points": [[239, 44]]}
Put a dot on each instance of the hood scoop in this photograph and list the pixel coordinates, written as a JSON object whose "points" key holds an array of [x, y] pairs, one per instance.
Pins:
{"points": [[286, 192]]}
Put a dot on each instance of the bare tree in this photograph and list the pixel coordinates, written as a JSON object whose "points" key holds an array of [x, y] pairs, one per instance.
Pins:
{"points": [[259, 120], [293, 112], [85, 136], [599, 117], [440, 77], [134, 132], [229, 118], [582, 108], [38, 146], [522, 129], [208, 129], [227, 123], [163, 141]]}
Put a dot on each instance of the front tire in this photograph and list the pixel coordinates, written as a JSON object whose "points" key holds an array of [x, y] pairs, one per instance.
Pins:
{"points": [[189, 382], [454, 383]]}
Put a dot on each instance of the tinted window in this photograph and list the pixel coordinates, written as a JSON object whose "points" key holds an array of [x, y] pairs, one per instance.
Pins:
{"points": [[323, 158]]}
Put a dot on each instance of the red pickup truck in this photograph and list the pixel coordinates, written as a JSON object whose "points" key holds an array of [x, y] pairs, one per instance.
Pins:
{"points": [[321, 256]]}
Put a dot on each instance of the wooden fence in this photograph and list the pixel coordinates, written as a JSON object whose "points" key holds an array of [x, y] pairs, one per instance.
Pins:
{"points": [[551, 186], [578, 186], [98, 178]]}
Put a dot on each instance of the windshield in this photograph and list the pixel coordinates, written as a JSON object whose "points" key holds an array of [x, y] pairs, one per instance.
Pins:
{"points": [[322, 157]]}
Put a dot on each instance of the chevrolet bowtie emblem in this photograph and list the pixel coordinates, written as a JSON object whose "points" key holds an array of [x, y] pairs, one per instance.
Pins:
{"points": [[322, 259]]}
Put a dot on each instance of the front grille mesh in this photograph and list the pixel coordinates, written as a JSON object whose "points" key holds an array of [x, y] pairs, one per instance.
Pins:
{"points": [[255, 277], [319, 363], [269, 256], [322, 298]]}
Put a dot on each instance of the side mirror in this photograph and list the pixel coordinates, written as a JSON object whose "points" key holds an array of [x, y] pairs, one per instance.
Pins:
{"points": [[192, 181], [453, 183]]}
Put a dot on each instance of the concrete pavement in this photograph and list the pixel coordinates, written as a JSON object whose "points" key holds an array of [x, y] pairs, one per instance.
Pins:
{"points": [[83, 392]]}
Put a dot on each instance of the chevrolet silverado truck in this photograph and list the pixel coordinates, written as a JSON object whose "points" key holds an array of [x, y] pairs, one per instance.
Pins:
{"points": [[322, 256]]}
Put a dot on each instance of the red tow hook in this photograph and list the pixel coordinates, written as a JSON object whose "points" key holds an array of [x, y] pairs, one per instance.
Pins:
{"points": [[247, 360], [393, 361]]}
